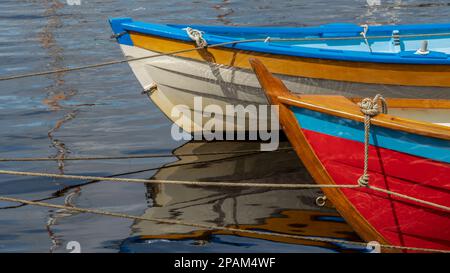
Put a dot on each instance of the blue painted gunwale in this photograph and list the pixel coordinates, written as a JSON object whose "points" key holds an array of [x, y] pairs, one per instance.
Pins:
{"points": [[331, 30], [413, 144]]}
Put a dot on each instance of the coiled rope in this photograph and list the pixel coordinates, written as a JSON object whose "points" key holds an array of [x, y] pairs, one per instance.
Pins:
{"points": [[266, 40], [211, 227], [197, 36]]}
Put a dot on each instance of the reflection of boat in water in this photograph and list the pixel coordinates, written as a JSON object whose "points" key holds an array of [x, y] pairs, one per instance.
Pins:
{"points": [[274, 210]]}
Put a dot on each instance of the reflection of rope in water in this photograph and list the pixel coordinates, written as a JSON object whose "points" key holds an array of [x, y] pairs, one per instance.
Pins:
{"points": [[212, 227], [57, 91]]}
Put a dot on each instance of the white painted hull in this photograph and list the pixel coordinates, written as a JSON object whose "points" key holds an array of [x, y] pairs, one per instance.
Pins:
{"points": [[436, 116], [179, 80]]}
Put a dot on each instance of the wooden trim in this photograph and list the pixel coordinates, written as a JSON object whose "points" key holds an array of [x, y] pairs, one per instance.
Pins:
{"points": [[345, 108], [275, 89], [348, 71], [413, 103]]}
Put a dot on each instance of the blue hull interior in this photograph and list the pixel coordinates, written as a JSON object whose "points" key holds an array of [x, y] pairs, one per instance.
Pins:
{"points": [[336, 41]]}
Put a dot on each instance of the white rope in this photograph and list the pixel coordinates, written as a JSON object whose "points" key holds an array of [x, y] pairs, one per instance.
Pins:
{"points": [[364, 35], [197, 36]]}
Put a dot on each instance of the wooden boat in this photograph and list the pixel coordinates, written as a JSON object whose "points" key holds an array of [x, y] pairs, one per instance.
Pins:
{"points": [[407, 157], [343, 59], [273, 210]]}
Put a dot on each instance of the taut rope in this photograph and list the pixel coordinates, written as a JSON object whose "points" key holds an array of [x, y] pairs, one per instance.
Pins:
{"points": [[266, 40], [407, 197], [222, 184], [178, 182]]}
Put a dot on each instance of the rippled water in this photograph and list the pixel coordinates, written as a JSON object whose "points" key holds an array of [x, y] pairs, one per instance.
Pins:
{"points": [[102, 113]]}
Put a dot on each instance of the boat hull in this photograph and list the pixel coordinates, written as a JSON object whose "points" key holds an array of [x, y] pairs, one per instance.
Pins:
{"points": [[180, 79], [311, 68], [412, 165], [404, 202], [400, 222]]}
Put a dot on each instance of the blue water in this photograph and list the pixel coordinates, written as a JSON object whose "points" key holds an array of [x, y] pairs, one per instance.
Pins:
{"points": [[102, 113]]}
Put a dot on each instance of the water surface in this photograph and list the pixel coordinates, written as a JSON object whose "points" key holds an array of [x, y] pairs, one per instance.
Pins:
{"points": [[102, 113]]}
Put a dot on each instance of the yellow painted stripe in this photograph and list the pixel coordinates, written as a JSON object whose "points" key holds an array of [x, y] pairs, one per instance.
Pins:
{"points": [[360, 72]]}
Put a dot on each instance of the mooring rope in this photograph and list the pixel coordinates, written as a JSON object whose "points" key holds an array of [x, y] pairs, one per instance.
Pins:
{"points": [[177, 182], [370, 108], [197, 36], [364, 35], [267, 39], [108, 63], [221, 184], [404, 196], [156, 155], [60, 192], [211, 227]]}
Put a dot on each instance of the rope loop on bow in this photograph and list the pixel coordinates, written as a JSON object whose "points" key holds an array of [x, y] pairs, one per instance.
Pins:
{"points": [[371, 107], [197, 36]]}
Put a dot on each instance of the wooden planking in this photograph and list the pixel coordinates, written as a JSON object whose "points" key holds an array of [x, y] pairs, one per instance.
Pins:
{"points": [[275, 89], [360, 72]]}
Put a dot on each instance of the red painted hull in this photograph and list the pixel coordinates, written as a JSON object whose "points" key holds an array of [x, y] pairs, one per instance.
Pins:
{"points": [[401, 222]]}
